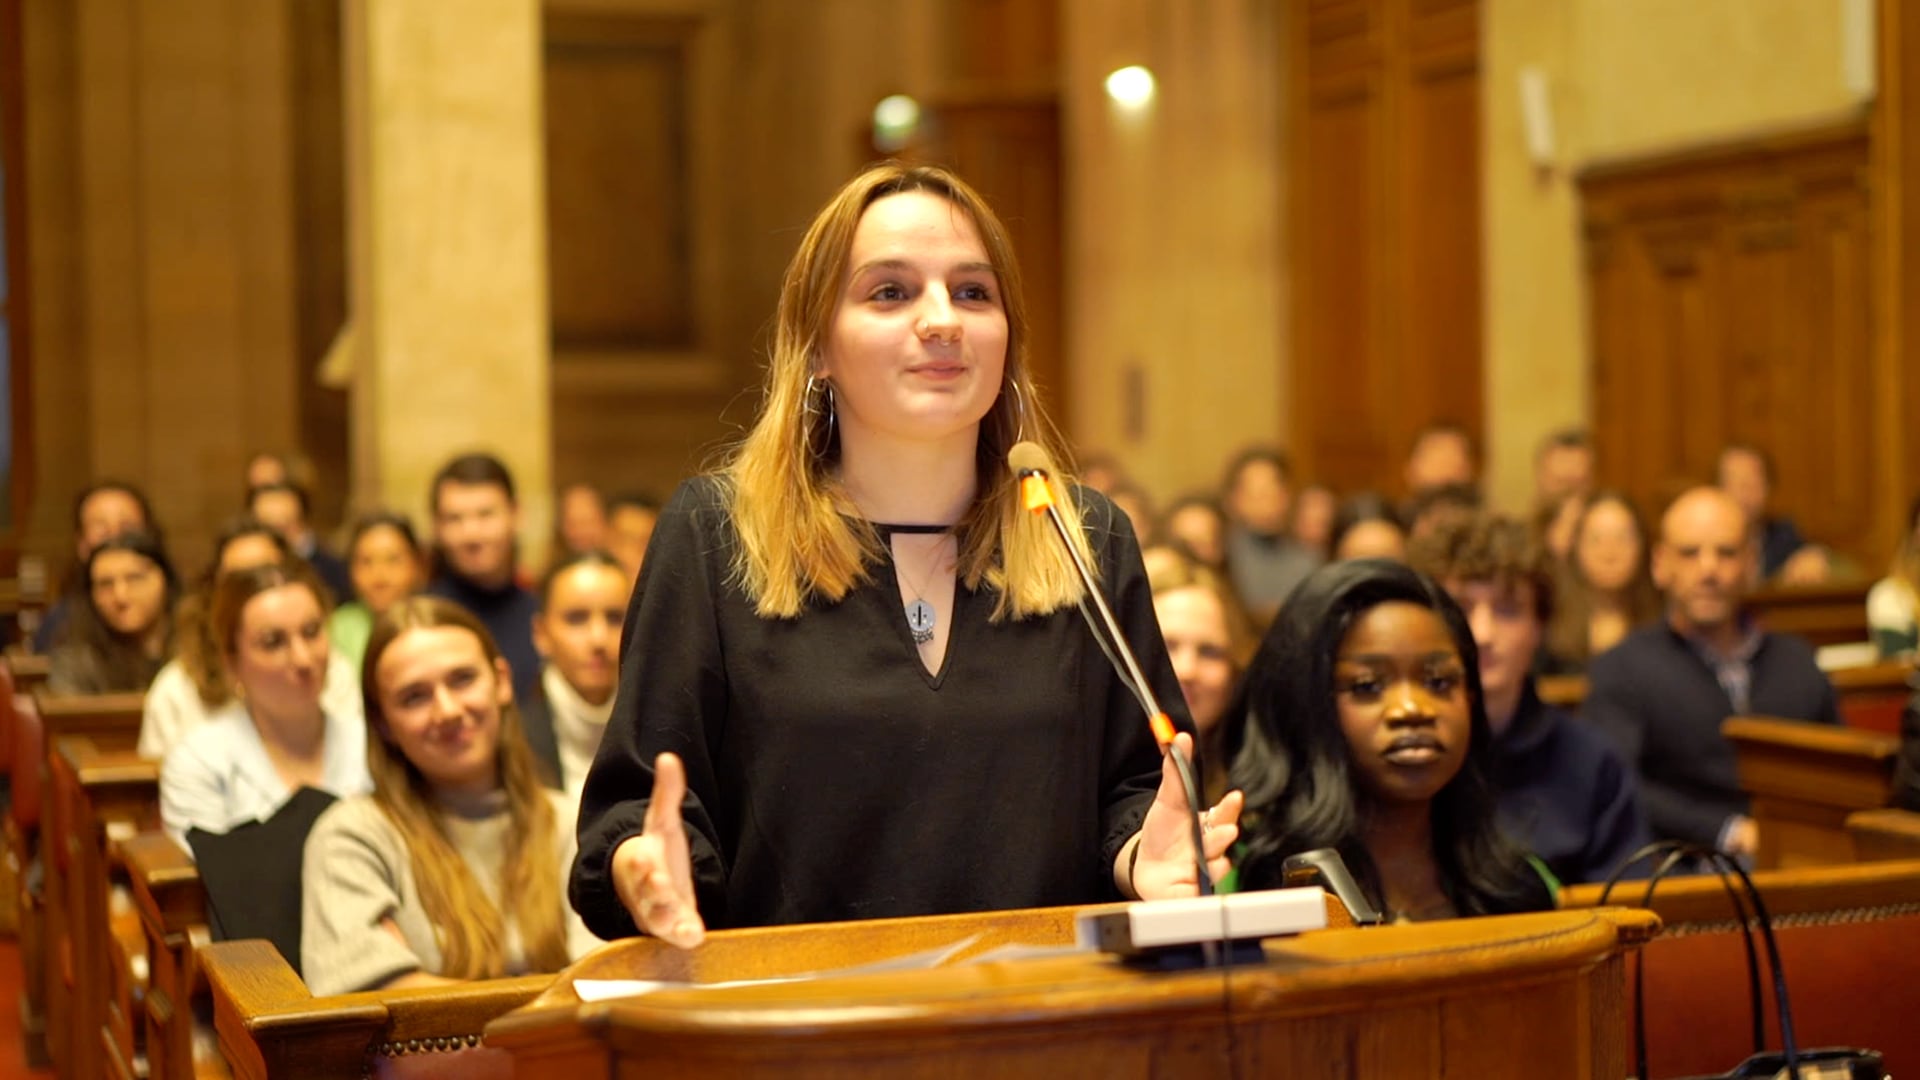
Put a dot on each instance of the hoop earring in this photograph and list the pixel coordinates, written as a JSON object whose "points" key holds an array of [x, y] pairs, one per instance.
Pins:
{"points": [[814, 382], [1019, 411]]}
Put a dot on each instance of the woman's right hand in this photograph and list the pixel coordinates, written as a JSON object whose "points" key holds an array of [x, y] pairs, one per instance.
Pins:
{"points": [[653, 872]]}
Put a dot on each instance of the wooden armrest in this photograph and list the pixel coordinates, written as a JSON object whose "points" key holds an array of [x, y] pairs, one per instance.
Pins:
{"points": [[165, 882], [270, 1025], [1823, 891], [1562, 691], [94, 764], [1884, 834], [1887, 675], [1810, 738]]}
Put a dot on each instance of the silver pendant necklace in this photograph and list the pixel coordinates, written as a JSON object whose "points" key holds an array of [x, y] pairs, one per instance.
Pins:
{"points": [[921, 615]]}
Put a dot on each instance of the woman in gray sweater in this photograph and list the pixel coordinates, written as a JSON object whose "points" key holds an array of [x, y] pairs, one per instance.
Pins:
{"points": [[454, 867]]}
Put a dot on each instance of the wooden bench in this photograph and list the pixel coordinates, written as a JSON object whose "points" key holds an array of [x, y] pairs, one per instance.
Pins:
{"points": [[1804, 779], [1845, 935], [100, 798], [72, 833], [1823, 614], [172, 907], [1873, 697], [23, 853]]}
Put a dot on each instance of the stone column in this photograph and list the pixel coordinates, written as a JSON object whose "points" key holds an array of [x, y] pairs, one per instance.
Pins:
{"points": [[447, 249]]}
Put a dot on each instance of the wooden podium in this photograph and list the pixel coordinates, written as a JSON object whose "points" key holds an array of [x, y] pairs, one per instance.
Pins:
{"points": [[1510, 996]]}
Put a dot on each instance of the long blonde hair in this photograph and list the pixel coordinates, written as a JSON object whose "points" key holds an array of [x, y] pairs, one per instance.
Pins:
{"points": [[800, 537], [472, 931]]}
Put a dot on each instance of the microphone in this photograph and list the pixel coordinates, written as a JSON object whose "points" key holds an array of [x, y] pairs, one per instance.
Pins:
{"points": [[1035, 469]]}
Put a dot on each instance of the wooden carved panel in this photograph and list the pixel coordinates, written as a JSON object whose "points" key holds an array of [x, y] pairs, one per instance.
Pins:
{"points": [[618, 183], [1385, 121], [1730, 300]]}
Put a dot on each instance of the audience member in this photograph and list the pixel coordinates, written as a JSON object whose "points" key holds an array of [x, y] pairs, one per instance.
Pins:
{"points": [[1608, 585], [454, 866], [1442, 455], [1209, 642], [583, 601], [1367, 528], [1893, 604], [1101, 472], [1366, 733], [1133, 502], [284, 509], [583, 520], [1556, 521], [1313, 514], [118, 640], [194, 685], [105, 509], [387, 565], [1563, 791], [1265, 562], [266, 469], [269, 627], [1663, 691], [1437, 505], [1196, 523], [1746, 473], [1563, 466], [476, 519], [630, 530]]}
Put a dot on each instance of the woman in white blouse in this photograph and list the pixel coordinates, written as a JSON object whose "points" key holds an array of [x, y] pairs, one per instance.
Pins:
{"points": [[269, 627]]}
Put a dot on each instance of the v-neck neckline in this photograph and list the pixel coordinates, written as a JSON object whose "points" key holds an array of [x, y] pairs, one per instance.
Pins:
{"points": [[904, 635]]}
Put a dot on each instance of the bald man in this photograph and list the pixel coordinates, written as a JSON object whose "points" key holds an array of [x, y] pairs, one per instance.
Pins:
{"points": [[1663, 691]]}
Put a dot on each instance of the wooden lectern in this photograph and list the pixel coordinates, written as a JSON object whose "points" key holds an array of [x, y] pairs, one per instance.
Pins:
{"points": [[1509, 996]]}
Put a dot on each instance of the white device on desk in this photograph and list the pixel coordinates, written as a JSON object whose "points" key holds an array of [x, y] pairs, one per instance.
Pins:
{"points": [[1158, 929]]}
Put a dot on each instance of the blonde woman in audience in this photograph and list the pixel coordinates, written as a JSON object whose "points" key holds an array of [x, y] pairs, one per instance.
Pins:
{"points": [[118, 639], [1209, 642], [194, 684], [583, 601], [268, 625], [1893, 604], [455, 866], [387, 566], [1608, 589]]}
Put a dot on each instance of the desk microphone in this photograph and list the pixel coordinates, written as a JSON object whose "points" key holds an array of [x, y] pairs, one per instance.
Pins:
{"points": [[1035, 469]]}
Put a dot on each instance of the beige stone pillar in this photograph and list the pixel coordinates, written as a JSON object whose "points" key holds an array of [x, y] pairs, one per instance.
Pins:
{"points": [[1174, 247], [1537, 373], [447, 249]]}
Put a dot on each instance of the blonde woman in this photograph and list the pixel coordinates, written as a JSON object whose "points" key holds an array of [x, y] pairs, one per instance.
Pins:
{"points": [[854, 682], [453, 867], [1209, 642], [1893, 604]]}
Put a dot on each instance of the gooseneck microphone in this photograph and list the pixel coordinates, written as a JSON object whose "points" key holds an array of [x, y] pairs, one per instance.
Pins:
{"points": [[1035, 470]]}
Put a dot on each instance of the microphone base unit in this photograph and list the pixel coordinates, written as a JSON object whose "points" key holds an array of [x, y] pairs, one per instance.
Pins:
{"points": [[1190, 932]]}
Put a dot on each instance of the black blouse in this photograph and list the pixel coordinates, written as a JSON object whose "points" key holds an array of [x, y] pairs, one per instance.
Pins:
{"points": [[830, 776]]}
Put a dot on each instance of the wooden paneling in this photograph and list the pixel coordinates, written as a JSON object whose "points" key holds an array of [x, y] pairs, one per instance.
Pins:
{"points": [[1731, 300], [619, 219], [1385, 112]]}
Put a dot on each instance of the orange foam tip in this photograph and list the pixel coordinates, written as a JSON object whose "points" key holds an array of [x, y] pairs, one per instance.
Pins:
{"points": [[1035, 493], [1162, 728]]}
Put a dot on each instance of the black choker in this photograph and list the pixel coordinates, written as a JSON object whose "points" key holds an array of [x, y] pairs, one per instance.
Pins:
{"points": [[912, 530]]}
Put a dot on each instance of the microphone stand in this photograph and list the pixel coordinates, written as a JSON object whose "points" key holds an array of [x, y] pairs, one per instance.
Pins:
{"points": [[1037, 495]]}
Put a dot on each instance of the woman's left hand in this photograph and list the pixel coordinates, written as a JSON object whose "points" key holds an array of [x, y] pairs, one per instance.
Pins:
{"points": [[1165, 866]]}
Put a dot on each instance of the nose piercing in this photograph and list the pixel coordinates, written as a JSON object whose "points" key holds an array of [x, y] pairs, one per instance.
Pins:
{"points": [[923, 328]]}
